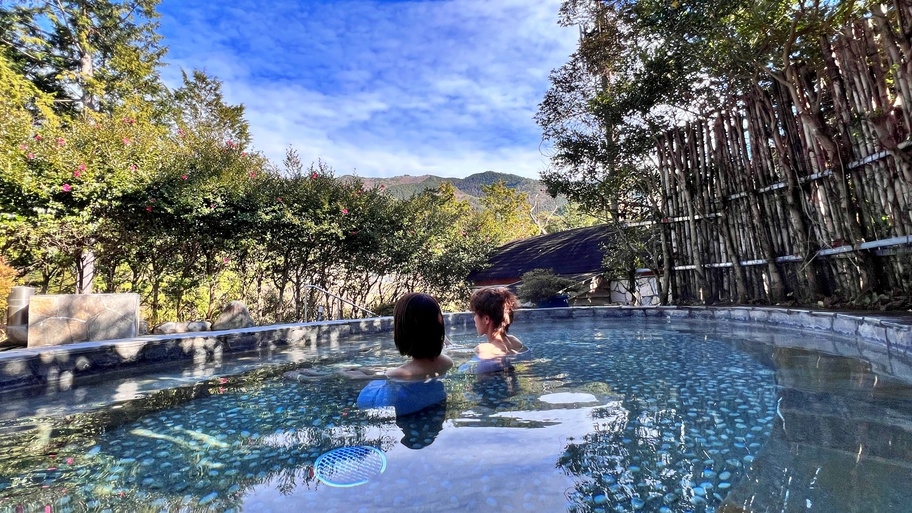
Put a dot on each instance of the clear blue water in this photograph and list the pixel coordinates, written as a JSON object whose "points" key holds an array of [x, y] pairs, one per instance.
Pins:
{"points": [[608, 415]]}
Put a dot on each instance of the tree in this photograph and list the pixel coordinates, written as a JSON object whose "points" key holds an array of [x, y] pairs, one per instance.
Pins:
{"points": [[621, 87], [203, 202], [22, 105], [162, 191], [568, 217], [645, 66], [542, 284], [506, 213], [199, 109], [69, 183], [90, 55], [442, 242]]}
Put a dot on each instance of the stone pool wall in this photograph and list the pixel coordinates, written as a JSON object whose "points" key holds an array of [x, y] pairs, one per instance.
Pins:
{"points": [[883, 339]]}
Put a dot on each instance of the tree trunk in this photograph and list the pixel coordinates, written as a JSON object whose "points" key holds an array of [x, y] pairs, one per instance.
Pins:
{"points": [[85, 271]]}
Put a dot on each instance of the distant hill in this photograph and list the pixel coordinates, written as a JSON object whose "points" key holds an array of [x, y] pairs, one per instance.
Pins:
{"points": [[468, 188]]}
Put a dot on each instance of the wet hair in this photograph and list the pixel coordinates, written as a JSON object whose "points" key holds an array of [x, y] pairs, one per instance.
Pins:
{"points": [[418, 329], [497, 303]]}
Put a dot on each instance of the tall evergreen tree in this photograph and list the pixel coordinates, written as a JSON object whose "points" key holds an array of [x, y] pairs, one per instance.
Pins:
{"points": [[90, 54]]}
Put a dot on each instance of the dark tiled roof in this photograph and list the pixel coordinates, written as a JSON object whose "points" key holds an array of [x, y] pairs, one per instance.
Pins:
{"points": [[574, 252]]}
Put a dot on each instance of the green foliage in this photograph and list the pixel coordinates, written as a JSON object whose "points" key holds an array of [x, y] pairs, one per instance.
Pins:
{"points": [[641, 66], [474, 185], [20, 98], [200, 109], [541, 284], [161, 191], [444, 240], [644, 65], [506, 214], [632, 248], [570, 216], [384, 309], [90, 55]]}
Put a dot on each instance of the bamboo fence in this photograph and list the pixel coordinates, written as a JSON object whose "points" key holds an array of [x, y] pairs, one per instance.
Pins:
{"points": [[804, 190]]}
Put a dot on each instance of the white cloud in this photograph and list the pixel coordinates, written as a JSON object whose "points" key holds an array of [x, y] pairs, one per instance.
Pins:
{"points": [[381, 88]]}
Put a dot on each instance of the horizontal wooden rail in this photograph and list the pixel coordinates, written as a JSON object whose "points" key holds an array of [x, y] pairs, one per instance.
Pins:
{"points": [[847, 248], [829, 172], [774, 187]]}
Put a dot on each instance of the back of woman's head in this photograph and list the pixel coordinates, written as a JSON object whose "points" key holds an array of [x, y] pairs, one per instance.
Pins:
{"points": [[497, 303], [418, 328]]}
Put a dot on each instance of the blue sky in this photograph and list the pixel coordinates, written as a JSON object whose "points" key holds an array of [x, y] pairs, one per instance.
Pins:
{"points": [[380, 88]]}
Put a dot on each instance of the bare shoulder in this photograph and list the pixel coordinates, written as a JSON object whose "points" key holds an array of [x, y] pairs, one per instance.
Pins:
{"points": [[487, 350], [445, 361], [515, 344], [398, 373]]}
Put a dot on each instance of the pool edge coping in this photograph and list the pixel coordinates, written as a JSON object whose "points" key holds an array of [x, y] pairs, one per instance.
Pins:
{"points": [[27, 368]]}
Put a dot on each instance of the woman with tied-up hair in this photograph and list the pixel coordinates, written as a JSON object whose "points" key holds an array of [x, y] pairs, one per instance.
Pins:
{"points": [[493, 309]]}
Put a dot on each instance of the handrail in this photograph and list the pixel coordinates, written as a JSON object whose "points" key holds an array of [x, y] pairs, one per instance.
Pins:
{"points": [[328, 293]]}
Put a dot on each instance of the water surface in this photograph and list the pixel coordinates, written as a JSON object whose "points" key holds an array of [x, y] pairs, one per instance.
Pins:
{"points": [[608, 415]]}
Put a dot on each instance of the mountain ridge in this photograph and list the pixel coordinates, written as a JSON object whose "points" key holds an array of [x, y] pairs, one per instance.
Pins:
{"points": [[468, 188]]}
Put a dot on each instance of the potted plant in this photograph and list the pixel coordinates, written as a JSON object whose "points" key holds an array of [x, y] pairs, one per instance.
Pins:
{"points": [[544, 288]]}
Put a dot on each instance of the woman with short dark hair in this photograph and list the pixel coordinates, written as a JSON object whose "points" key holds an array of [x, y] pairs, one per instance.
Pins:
{"points": [[419, 332]]}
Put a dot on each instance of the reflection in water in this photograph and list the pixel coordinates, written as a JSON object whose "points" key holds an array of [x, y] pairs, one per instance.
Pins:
{"points": [[126, 391], [478, 365], [420, 407], [493, 390], [421, 428], [209, 452], [843, 441]]}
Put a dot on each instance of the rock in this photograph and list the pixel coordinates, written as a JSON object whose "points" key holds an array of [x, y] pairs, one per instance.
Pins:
{"points": [[233, 316], [170, 328], [199, 326]]}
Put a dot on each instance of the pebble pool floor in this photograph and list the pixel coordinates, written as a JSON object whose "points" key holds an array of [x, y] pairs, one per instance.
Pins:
{"points": [[608, 415]]}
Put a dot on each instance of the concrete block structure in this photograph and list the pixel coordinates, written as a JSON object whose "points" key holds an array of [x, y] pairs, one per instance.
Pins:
{"points": [[60, 319]]}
